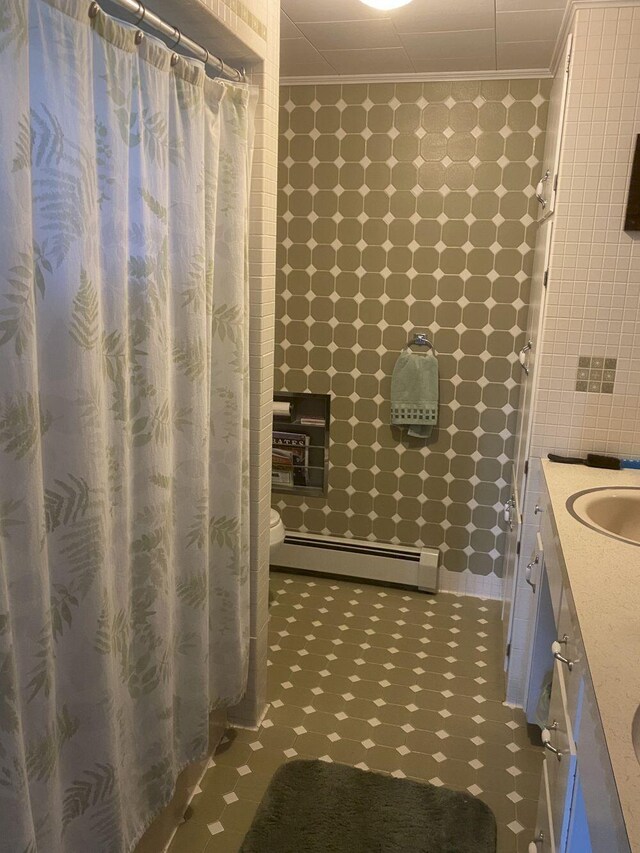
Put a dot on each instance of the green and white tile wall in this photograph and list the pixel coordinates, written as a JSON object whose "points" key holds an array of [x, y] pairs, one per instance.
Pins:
{"points": [[409, 206]]}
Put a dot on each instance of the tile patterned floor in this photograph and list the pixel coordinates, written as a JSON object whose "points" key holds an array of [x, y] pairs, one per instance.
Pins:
{"points": [[396, 681]]}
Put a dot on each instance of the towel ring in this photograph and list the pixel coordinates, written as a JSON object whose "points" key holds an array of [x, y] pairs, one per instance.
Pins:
{"points": [[420, 340]]}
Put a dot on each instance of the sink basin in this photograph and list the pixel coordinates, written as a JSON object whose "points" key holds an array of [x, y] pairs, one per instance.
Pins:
{"points": [[611, 510], [635, 733]]}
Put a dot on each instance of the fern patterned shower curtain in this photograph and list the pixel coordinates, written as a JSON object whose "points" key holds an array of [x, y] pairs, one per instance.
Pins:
{"points": [[124, 588]]}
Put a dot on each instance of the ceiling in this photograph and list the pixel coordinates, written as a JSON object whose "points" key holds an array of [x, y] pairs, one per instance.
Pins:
{"points": [[328, 38]]}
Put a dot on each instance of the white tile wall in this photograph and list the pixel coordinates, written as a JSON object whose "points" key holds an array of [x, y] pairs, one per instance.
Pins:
{"points": [[593, 301], [467, 583], [594, 285], [261, 345]]}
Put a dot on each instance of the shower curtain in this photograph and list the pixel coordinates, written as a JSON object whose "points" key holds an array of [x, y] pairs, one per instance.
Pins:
{"points": [[124, 588]]}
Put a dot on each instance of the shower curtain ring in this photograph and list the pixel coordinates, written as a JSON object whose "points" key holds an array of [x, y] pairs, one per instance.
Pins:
{"points": [[93, 10], [206, 59], [142, 11], [177, 41]]}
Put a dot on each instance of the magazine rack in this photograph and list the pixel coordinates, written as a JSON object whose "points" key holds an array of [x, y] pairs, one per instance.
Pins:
{"points": [[300, 463]]}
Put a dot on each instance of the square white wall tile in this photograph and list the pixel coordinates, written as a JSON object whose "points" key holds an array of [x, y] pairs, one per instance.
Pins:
{"points": [[594, 284]]}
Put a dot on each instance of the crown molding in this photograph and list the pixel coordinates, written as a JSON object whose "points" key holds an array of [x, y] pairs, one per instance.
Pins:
{"points": [[515, 74], [566, 26]]}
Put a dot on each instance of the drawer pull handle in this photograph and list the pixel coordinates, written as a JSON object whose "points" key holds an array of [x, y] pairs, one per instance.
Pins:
{"points": [[556, 650], [528, 569], [533, 845], [540, 189], [522, 357], [546, 742], [537, 508]]}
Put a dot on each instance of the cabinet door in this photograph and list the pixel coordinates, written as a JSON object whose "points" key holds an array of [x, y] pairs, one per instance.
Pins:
{"points": [[578, 836], [541, 659], [510, 562], [562, 764], [543, 837], [548, 186], [571, 648], [604, 814]]}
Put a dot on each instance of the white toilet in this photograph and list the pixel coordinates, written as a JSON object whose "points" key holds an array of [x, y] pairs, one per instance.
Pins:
{"points": [[277, 532]]}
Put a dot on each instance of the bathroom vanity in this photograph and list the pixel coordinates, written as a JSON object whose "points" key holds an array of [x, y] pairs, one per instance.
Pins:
{"points": [[585, 583]]}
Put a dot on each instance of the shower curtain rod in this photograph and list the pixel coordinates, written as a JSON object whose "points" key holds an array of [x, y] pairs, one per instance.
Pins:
{"points": [[179, 39]]}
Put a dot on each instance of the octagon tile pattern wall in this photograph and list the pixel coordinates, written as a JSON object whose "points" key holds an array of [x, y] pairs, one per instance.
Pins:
{"points": [[409, 207]]}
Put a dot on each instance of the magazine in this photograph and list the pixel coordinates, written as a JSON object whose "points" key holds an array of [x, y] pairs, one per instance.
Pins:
{"points": [[290, 459]]}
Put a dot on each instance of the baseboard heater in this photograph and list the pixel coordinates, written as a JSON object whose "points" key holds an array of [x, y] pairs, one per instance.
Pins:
{"points": [[358, 559]]}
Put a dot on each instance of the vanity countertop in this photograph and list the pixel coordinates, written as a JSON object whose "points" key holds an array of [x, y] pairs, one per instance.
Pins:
{"points": [[604, 577]]}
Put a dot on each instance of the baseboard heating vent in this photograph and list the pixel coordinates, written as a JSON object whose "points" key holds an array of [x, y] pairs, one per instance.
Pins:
{"points": [[355, 558]]}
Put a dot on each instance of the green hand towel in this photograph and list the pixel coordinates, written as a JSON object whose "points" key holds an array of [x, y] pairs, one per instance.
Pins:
{"points": [[414, 393]]}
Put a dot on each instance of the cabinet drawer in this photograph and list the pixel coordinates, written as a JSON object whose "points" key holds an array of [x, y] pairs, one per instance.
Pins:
{"points": [[543, 835], [570, 647], [561, 762]]}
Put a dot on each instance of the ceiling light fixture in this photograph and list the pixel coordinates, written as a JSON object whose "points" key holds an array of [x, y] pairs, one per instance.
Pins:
{"points": [[385, 4]]}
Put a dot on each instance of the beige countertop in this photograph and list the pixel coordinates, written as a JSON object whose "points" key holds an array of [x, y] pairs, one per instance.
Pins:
{"points": [[604, 577]]}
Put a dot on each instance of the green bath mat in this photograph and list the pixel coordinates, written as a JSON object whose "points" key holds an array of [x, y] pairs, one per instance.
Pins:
{"points": [[316, 807]]}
